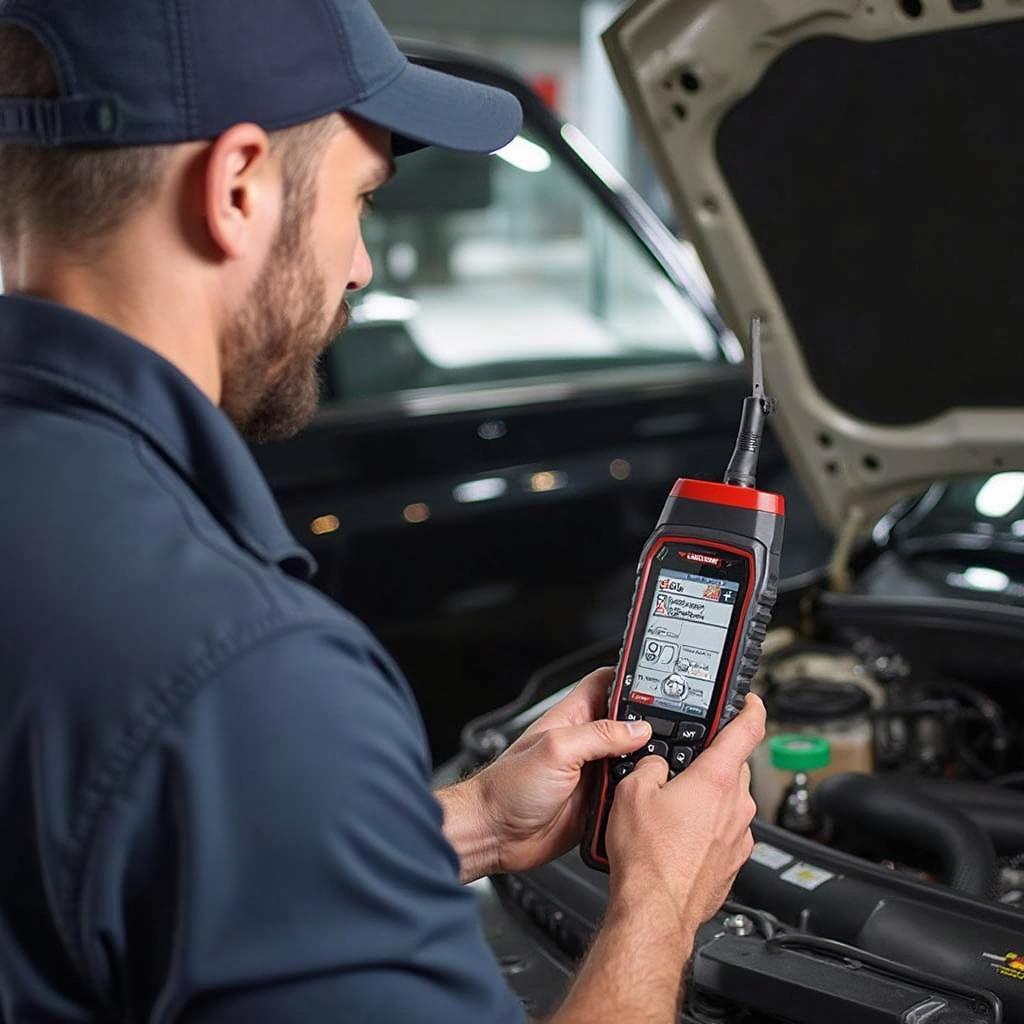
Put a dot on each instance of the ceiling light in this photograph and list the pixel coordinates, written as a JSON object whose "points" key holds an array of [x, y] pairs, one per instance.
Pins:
{"points": [[379, 306], [480, 490], [1000, 495], [980, 578], [525, 155]]}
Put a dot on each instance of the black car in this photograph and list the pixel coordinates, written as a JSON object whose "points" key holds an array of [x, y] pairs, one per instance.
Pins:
{"points": [[536, 361]]}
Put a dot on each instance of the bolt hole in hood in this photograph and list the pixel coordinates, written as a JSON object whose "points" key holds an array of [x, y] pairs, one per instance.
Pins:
{"points": [[851, 172]]}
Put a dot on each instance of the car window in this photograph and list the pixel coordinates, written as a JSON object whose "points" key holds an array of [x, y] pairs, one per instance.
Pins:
{"points": [[501, 269]]}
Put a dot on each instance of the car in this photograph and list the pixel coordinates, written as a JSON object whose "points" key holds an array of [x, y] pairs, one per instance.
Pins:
{"points": [[848, 173], [536, 358]]}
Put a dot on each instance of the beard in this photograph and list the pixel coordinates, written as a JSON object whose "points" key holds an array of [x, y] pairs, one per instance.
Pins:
{"points": [[270, 351]]}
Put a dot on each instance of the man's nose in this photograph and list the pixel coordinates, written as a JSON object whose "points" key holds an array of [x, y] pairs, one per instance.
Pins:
{"points": [[361, 273]]}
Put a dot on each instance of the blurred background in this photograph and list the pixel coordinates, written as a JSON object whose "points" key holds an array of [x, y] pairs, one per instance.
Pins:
{"points": [[555, 45]]}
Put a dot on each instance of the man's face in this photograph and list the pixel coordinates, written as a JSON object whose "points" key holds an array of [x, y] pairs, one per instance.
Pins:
{"points": [[270, 349]]}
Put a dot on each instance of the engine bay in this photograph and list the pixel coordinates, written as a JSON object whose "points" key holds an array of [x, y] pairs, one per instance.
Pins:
{"points": [[899, 735], [886, 884]]}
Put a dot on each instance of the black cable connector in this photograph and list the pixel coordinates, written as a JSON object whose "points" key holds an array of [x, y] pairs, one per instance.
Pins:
{"points": [[742, 468]]}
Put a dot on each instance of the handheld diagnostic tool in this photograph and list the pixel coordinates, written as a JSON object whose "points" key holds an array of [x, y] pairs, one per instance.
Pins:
{"points": [[706, 585]]}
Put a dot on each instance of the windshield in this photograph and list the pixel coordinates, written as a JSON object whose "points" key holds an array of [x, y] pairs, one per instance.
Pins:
{"points": [[493, 270]]}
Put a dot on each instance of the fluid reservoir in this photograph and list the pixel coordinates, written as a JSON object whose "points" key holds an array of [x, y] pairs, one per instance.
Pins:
{"points": [[838, 712], [798, 754]]}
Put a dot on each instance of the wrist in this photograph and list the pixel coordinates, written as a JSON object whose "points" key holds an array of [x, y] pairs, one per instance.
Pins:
{"points": [[646, 899], [469, 830]]}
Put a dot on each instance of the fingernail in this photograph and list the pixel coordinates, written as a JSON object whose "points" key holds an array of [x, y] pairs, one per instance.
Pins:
{"points": [[637, 728]]}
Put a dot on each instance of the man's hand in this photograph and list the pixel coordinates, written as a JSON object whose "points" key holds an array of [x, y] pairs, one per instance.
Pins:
{"points": [[529, 806], [674, 848], [686, 839]]}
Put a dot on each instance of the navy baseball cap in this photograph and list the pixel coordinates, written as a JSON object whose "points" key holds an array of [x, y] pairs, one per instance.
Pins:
{"points": [[137, 72]]}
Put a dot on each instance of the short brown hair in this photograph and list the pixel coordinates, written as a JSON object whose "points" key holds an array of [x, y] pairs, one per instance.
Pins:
{"points": [[80, 194]]}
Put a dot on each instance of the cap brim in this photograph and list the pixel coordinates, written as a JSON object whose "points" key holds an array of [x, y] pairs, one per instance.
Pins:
{"points": [[424, 107]]}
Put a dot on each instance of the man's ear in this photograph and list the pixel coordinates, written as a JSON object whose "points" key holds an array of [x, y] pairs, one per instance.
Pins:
{"points": [[243, 190]]}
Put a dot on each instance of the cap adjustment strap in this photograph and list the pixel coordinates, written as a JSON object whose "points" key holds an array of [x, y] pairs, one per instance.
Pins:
{"points": [[60, 122]]}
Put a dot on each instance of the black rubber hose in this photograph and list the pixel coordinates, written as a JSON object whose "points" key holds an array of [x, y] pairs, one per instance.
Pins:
{"points": [[1000, 812], [876, 806]]}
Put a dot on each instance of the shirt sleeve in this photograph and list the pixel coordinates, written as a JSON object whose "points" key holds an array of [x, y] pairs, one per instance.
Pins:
{"points": [[278, 856]]}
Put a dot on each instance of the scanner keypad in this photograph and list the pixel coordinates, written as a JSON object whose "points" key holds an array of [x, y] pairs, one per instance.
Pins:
{"points": [[677, 741]]}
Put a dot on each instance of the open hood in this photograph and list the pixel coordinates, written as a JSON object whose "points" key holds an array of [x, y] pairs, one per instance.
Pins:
{"points": [[853, 171]]}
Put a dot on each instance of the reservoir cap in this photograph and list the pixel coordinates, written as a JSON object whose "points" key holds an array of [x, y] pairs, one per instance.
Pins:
{"points": [[799, 752]]}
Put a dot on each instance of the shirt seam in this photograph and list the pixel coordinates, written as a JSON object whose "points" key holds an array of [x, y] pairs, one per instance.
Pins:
{"points": [[87, 388], [137, 738], [94, 418], [230, 553], [128, 413]]}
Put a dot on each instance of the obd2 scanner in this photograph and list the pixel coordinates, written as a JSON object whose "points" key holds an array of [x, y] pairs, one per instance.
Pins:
{"points": [[706, 584]]}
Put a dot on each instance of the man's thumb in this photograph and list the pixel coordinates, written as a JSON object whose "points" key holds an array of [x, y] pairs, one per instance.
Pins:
{"points": [[606, 738]]}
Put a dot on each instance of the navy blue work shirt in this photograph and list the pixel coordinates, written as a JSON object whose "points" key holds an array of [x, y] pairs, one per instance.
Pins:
{"points": [[215, 797]]}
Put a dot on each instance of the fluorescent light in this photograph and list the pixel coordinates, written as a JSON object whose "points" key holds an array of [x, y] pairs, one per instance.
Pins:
{"points": [[1000, 495], [732, 347], [980, 578], [480, 490], [593, 158], [525, 155], [378, 306]]}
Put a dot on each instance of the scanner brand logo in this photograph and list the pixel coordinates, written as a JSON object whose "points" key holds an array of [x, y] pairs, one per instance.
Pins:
{"points": [[696, 556]]}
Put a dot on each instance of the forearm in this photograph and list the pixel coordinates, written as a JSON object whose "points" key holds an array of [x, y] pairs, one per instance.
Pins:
{"points": [[469, 830], [634, 971]]}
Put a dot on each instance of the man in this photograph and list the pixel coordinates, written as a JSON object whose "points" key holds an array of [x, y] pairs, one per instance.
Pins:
{"points": [[214, 787]]}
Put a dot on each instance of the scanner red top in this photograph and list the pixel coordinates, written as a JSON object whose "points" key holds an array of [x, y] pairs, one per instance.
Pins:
{"points": [[730, 494]]}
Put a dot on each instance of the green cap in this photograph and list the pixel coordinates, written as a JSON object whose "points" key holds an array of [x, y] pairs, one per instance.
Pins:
{"points": [[799, 752]]}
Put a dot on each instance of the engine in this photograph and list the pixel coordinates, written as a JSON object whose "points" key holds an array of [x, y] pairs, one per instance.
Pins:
{"points": [[889, 867], [916, 772]]}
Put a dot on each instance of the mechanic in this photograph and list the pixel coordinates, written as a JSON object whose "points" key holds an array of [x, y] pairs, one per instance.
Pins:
{"points": [[214, 784]]}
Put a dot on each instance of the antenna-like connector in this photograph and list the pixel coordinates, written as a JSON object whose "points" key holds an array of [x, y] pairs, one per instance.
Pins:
{"points": [[742, 468]]}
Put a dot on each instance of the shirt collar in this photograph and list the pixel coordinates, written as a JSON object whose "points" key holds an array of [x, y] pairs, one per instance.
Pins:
{"points": [[83, 361]]}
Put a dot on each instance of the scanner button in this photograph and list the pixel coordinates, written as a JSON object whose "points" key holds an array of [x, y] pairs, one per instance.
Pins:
{"points": [[690, 732], [681, 757], [662, 727], [621, 770], [658, 747]]}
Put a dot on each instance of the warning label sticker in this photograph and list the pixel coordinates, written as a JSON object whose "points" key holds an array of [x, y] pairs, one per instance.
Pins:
{"points": [[770, 856], [807, 876], [1009, 965]]}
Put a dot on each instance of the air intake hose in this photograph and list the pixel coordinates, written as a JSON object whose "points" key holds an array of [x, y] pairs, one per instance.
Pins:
{"points": [[999, 812], [883, 809]]}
